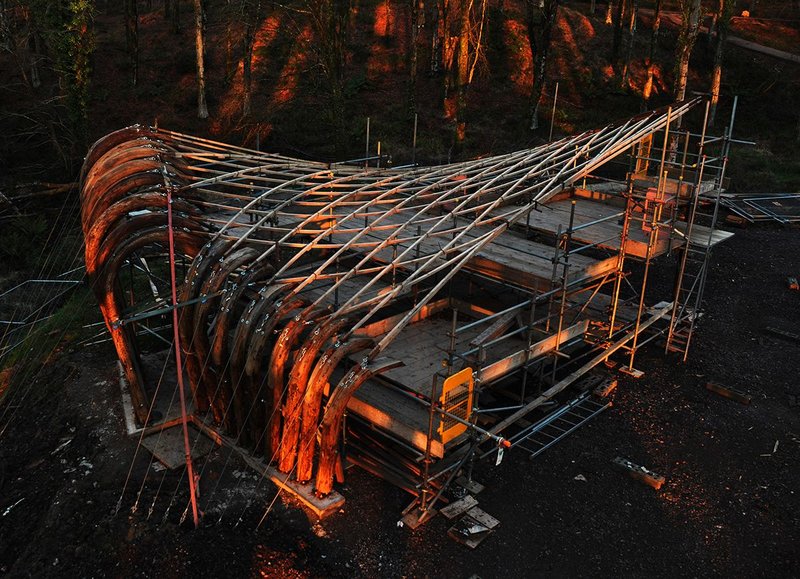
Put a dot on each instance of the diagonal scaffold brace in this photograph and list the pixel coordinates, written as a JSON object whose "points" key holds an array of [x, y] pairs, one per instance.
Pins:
{"points": [[178, 363]]}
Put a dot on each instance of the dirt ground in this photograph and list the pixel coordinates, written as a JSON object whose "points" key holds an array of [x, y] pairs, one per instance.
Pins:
{"points": [[730, 505]]}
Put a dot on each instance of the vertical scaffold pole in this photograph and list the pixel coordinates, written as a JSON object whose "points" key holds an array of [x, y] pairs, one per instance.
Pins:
{"points": [[178, 364]]}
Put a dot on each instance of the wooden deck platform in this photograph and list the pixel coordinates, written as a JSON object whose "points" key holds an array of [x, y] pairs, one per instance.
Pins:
{"points": [[398, 401]]}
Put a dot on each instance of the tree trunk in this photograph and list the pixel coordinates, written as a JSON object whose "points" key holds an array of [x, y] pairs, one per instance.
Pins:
{"points": [[549, 11], [439, 37], [251, 15], [199, 36], [592, 6], [798, 128], [132, 37], [463, 70], [176, 16], [228, 41], [247, 67], [723, 18], [631, 33], [622, 7], [448, 50], [688, 35], [34, 45], [609, 10], [648, 85], [330, 19], [417, 8]]}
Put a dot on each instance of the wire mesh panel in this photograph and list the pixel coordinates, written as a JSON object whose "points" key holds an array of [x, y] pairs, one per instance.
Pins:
{"points": [[456, 400]]}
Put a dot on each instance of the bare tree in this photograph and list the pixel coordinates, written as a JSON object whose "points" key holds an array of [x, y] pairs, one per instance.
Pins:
{"points": [[132, 37], [417, 17], [631, 33], [725, 10], [199, 37], [648, 84], [470, 45], [176, 16], [540, 20], [330, 19], [690, 25], [623, 8], [439, 36], [459, 42], [251, 15], [463, 67]]}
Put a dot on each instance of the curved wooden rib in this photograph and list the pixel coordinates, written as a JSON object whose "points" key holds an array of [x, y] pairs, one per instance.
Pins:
{"points": [[281, 226], [296, 389], [330, 428], [313, 400]]}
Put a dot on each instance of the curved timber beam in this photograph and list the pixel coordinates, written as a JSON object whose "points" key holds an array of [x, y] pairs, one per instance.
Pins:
{"points": [[330, 428]]}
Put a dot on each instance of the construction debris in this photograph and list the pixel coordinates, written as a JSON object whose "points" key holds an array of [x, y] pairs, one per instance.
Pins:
{"points": [[792, 283], [780, 207], [459, 507], [640, 473], [605, 388], [728, 392], [786, 335], [469, 485], [473, 528]]}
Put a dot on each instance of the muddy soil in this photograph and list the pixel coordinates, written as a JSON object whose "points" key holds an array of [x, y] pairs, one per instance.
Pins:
{"points": [[72, 505]]}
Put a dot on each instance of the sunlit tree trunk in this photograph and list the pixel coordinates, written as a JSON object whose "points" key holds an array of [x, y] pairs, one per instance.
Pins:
{"points": [[251, 14], [199, 37], [722, 20], [539, 19], [690, 24], [463, 70], [247, 67], [448, 11], [610, 10], [438, 37], [631, 33], [648, 83]]}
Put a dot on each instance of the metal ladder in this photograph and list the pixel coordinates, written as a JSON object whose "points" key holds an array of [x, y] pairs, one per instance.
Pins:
{"points": [[559, 424], [691, 279]]}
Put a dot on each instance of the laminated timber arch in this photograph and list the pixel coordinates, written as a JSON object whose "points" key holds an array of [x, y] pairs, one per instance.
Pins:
{"points": [[292, 263]]}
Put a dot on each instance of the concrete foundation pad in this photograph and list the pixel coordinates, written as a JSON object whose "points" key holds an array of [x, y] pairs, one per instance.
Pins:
{"points": [[321, 507], [168, 446]]}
